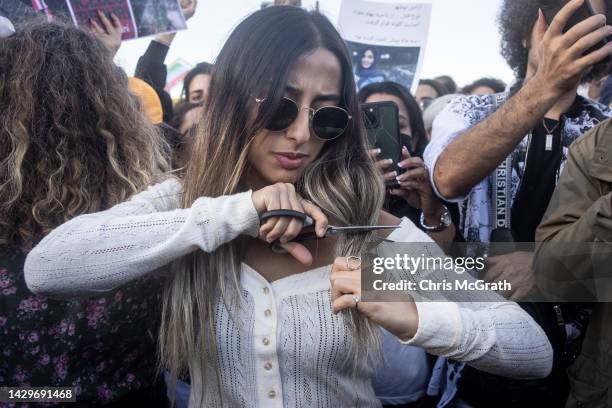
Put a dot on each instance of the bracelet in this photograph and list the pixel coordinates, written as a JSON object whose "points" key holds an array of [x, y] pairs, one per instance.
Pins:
{"points": [[445, 222]]}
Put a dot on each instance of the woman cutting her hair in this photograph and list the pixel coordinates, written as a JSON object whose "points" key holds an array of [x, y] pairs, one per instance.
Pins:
{"points": [[252, 327]]}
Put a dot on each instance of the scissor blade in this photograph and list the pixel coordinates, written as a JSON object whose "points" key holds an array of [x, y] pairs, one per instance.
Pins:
{"points": [[363, 228]]}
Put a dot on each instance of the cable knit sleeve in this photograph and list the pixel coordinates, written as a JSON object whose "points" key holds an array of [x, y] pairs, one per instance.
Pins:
{"points": [[98, 252], [495, 335]]}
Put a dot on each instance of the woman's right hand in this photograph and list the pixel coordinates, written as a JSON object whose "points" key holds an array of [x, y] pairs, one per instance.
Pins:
{"points": [[110, 33], [282, 196]]}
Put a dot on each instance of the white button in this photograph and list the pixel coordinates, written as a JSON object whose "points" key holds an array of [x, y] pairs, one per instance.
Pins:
{"points": [[266, 341], [268, 366], [268, 312], [266, 290], [271, 394]]}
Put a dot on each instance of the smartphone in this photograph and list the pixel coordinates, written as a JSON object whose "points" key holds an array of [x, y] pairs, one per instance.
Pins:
{"points": [[381, 121], [550, 8]]}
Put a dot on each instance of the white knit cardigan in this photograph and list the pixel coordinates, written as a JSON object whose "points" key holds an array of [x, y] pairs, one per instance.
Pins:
{"points": [[285, 348]]}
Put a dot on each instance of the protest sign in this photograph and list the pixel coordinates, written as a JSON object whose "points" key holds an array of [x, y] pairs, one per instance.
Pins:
{"points": [[139, 18], [157, 16], [82, 11], [386, 40], [16, 11]]}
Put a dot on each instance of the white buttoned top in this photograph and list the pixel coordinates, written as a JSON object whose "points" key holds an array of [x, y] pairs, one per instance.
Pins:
{"points": [[279, 345]]}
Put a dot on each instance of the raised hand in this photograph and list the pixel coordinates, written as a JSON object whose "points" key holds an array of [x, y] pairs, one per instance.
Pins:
{"points": [[561, 56], [382, 165], [415, 186], [110, 31]]}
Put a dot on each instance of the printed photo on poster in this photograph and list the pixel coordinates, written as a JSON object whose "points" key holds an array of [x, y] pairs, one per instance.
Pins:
{"points": [[157, 16], [16, 11], [84, 10], [139, 18], [386, 40], [373, 63], [57, 10]]}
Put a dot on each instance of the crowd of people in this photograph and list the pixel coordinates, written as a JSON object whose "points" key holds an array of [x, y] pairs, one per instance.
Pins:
{"points": [[140, 236]]}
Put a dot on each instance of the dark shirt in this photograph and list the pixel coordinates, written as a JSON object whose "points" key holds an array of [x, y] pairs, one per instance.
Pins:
{"points": [[538, 183], [542, 168], [104, 346]]}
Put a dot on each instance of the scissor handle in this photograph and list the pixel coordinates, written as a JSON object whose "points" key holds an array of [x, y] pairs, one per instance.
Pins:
{"points": [[307, 236], [308, 222]]}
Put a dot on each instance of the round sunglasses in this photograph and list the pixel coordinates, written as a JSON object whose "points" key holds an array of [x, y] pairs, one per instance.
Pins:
{"points": [[328, 122]]}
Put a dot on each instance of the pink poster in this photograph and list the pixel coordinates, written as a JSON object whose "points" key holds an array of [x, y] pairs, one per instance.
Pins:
{"points": [[83, 10]]}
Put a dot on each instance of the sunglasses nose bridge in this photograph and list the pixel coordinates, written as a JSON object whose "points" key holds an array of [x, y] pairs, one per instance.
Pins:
{"points": [[311, 111], [295, 129]]}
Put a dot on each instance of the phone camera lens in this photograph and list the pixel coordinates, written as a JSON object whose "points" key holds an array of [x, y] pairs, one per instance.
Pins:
{"points": [[371, 118]]}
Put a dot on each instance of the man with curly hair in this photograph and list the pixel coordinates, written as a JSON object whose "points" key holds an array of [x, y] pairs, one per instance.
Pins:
{"points": [[500, 156]]}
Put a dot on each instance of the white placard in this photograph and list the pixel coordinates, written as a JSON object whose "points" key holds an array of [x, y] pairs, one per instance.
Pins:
{"points": [[387, 40]]}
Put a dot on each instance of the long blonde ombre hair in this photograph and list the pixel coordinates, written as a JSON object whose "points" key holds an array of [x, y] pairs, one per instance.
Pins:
{"points": [[343, 181]]}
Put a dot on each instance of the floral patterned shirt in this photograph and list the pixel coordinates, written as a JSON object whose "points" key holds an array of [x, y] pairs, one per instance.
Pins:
{"points": [[463, 113], [105, 347]]}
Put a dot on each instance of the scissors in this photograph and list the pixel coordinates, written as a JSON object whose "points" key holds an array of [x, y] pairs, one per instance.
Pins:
{"points": [[309, 222]]}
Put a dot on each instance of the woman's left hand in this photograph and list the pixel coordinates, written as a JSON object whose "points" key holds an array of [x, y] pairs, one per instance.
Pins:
{"points": [[415, 186], [399, 318]]}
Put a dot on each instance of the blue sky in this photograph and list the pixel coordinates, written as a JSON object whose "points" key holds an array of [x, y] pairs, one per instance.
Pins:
{"points": [[463, 38]]}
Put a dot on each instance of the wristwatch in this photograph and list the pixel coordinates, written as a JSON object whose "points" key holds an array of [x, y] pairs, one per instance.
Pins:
{"points": [[445, 222]]}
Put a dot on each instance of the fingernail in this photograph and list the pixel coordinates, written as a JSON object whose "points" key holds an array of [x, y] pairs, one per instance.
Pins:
{"points": [[400, 165], [378, 151], [398, 179], [404, 148], [389, 161], [395, 174]]}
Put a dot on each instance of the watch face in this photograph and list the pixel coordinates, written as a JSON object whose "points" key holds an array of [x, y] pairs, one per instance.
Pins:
{"points": [[446, 219]]}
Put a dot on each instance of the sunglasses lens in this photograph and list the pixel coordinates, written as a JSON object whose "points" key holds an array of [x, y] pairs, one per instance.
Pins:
{"points": [[329, 123], [284, 116]]}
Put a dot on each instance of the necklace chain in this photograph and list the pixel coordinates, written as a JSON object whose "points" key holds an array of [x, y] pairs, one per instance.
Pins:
{"points": [[549, 131]]}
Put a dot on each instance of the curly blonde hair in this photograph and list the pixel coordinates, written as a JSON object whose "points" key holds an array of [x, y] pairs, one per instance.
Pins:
{"points": [[72, 138]]}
